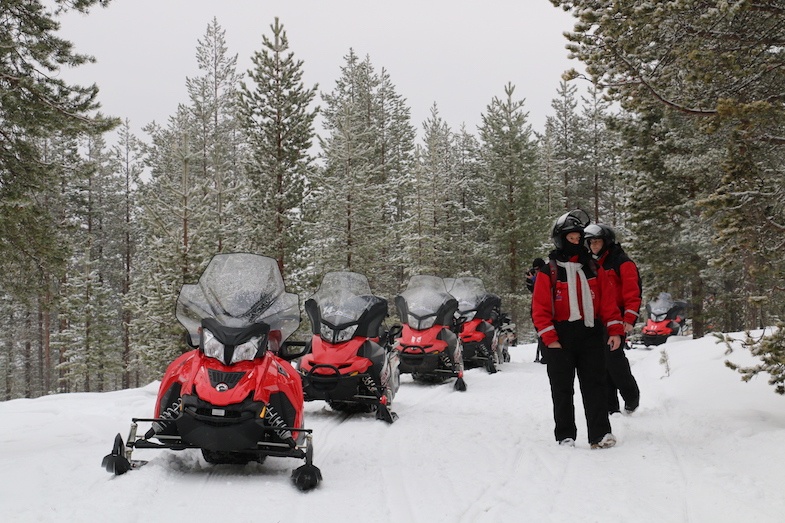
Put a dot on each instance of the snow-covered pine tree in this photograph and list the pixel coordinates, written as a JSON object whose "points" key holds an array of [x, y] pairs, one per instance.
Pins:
{"points": [[129, 161], [721, 67], [278, 119], [667, 166], [431, 202], [37, 105], [599, 149], [217, 140], [90, 306], [566, 159], [511, 175], [349, 205], [395, 152], [174, 248], [472, 255]]}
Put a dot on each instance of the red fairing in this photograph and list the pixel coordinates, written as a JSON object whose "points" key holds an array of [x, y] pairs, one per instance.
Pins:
{"points": [[423, 339], [340, 355], [263, 376], [470, 331], [659, 328], [181, 370]]}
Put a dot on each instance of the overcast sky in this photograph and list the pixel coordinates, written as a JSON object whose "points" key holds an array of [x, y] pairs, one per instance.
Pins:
{"points": [[456, 53]]}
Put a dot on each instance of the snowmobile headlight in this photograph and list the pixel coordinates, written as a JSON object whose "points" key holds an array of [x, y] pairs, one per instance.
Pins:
{"points": [[247, 351], [337, 335], [345, 334], [422, 323], [212, 347]]}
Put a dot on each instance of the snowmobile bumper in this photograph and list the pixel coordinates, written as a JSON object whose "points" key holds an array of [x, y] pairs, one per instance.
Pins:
{"points": [[235, 427], [653, 339], [325, 382]]}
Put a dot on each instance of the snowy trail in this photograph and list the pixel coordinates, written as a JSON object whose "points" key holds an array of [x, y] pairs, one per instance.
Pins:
{"points": [[702, 447]]}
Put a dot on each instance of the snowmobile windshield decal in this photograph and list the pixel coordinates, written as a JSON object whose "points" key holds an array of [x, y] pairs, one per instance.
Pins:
{"points": [[237, 290]]}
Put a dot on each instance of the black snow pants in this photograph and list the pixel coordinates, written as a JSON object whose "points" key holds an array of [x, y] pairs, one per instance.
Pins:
{"points": [[621, 381], [582, 353]]}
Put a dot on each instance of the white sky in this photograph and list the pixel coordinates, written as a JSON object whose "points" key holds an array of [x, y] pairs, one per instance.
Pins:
{"points": [[457, 53]]}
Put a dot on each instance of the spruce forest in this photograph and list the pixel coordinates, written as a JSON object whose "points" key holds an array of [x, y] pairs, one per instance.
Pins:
{"points": [[674, 135]]}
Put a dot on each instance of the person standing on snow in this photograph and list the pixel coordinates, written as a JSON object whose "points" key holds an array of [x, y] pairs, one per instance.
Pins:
{"points": [[601, 241], [531, 276], [572, 305]]}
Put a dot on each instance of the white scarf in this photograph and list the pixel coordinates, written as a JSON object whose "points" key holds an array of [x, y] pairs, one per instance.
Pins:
{"points": [[573, 268]]}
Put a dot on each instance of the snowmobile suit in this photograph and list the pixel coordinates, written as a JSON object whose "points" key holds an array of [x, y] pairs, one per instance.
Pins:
{"points": [[560, 315], [531, 277], [623, 273]]}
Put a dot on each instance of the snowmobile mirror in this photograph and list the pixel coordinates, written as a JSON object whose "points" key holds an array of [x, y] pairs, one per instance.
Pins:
{"points": [[291, 350], [394, 333]]}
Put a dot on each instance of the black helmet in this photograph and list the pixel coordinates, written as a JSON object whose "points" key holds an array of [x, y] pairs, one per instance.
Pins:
{"points": [[600, 230], [573, 221]]}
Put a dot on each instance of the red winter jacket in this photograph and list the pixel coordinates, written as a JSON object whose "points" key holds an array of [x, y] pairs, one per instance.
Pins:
{"points": [[549, 307], [623, 273]]}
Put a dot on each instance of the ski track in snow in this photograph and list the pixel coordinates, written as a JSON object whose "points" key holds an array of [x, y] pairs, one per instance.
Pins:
{"points": [[691, 453]]}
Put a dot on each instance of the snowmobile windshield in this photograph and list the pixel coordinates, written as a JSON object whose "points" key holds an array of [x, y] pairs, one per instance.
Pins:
{"points": [[469, 292], [238, 290], [343, 297], [424, 298], [662, 304]]}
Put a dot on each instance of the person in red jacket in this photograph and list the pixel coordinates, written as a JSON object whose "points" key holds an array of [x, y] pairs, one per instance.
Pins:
{"points": [[601, 240], [573, 306]]}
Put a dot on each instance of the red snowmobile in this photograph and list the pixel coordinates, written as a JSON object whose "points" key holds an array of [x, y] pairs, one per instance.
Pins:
{"points": [[478, 313], [235, 396], [427, 346], [350, 365], [667, 317]]}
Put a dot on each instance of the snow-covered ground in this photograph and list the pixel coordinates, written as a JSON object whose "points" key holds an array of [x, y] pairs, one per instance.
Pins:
{"points": [[703, 447]]}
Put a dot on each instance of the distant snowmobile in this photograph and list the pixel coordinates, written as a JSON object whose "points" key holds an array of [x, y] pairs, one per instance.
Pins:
{"points": [[476, 319], [426, 343], [235, 396], [350, 365], [507, 336], [666, 317]]}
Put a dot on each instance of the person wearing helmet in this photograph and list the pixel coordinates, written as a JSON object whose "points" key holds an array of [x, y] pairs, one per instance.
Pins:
{"points": [[601, 241], [572, 306]]}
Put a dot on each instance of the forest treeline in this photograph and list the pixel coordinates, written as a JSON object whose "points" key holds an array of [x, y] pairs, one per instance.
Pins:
{"points": [[676, 141]]}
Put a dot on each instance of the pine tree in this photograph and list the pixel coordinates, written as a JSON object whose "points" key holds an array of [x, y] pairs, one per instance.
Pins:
{"points": [[35, 103], [672, 238], [510, 156], [213, 103], [277, 118], [89, 305], [128, 158], [366, 153], [432, 202], [174, 248], [567, 159], [599, 149]]}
